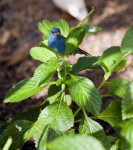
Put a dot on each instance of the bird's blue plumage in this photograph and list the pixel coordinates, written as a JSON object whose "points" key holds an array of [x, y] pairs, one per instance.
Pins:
{"points": [[55, 41]]}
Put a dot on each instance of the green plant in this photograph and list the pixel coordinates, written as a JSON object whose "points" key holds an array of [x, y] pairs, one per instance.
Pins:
{"points": [[52, 123]]}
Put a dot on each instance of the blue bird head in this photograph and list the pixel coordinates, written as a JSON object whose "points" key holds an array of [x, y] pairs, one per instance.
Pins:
{"points": [[55, 41], [54, 34]]}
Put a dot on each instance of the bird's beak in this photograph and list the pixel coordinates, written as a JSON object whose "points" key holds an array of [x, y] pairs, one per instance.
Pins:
{"points": [[57, 33]]}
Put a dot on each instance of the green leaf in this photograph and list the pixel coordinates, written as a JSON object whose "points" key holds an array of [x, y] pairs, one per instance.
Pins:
{"points": [[68, 100], [112, 114], [44, 73], [89, 29], [84, 93], [52, 121], [111, 59], [45, 27], [115, 145], [117, 87], [50, 49], [53, 134], [41, 138], [121, 65], [55, 24], [64, 27], [25, 116], [78, 142], [53, 93], [126, 137], [127, 41], [22, 90], [45, 40], [90, 127], [73, 39], [61, 74], [16, 131], [71, 28], [42, 54], [44, 136], [33, 112], [102, 64], [70, 132], [58, 115], [84, 63], [127, 102], [22, 119], [107, 141]]}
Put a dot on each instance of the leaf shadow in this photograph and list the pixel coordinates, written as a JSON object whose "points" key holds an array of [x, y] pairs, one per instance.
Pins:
{"points": [[124, 144]]}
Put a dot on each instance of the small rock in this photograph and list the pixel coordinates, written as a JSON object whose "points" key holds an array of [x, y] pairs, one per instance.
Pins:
{"points": [[4, 38]]}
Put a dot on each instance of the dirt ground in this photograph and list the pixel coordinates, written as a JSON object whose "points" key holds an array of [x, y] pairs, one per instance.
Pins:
{"points": [[19, 32]]}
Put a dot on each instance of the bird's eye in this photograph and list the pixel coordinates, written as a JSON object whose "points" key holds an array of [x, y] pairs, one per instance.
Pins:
{"points": [[52, 32]]}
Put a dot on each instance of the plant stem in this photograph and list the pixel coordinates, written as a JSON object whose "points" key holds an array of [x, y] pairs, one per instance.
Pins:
{"points": [[93, 117], [44, 102], [48, 83], [65, 67], [106, 95], [77, 121], [63, 87], [62, 96], [92, 10], [8, 144], [85, 114], [100, 86], [77, 111]]}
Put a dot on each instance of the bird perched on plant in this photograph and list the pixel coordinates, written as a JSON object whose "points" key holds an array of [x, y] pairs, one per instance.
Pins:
{"points": [[76, 8], [57, 43]]}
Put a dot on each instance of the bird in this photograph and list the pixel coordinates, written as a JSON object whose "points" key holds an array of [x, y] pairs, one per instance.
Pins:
{"points": [[57, 43], [76, 8]]}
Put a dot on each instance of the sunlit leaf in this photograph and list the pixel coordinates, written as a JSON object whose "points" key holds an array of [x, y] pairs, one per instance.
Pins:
{"points": [[110, 59], [78, 142], [90, 127], [73, 39], [52, 121], [45, 27], [22, 90], [112, 115], [44, 73], [84, 93], [126, 137], [127, 41], [42, 54], [117, 87], [89, 29], [64, 27], [127, 102]]}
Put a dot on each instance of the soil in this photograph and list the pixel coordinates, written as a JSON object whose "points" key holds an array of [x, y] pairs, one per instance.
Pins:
{"points": [[19, 32]]}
